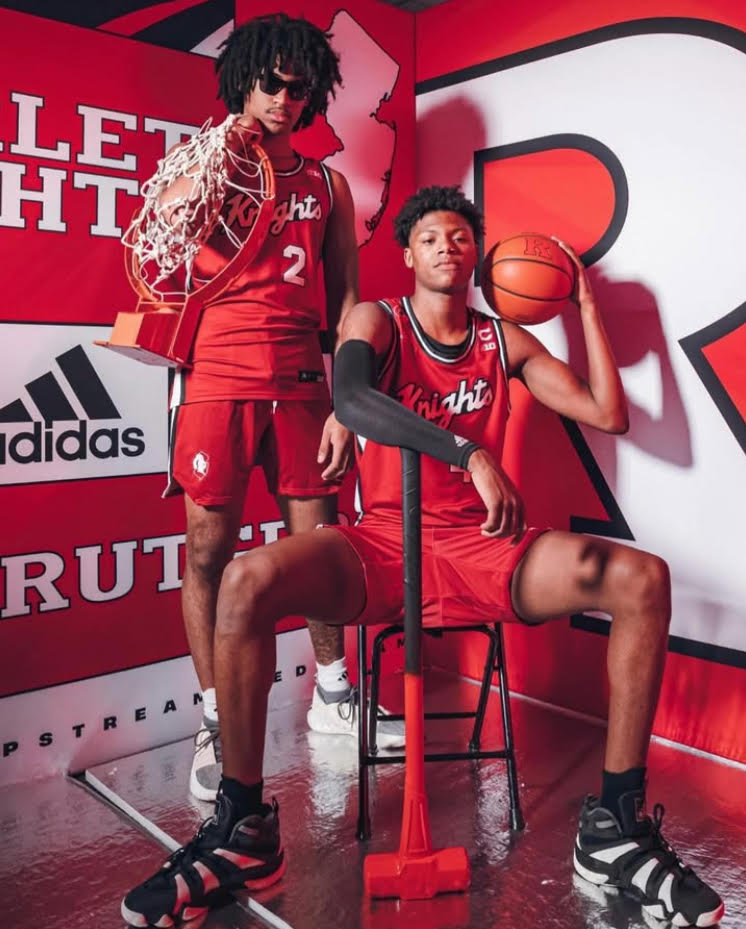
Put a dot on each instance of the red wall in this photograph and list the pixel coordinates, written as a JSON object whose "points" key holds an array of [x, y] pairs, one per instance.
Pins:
{"points": [[59, 283]]}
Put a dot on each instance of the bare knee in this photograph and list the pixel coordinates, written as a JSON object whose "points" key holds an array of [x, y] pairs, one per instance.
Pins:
{"points": [[245, 594], [207, 554], [640, 583]]}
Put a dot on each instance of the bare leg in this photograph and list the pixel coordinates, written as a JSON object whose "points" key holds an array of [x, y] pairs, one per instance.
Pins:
{"points": [[303, 514], [566, 573], [211, 537], [317, 573]]}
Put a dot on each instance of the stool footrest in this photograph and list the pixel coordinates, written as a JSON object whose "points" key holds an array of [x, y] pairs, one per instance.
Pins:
{"points": [[454, 715], [437, 756]]}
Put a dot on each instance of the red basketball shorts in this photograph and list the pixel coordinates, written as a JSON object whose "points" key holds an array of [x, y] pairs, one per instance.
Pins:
{"points": [[466, 576], [216, 443]]}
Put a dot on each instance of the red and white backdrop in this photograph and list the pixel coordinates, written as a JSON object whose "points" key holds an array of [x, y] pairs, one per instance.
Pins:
{"points": [[91, 641], [615, 126]]}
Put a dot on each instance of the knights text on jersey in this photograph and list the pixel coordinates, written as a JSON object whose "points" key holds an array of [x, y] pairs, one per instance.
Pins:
{"points": [[260, 340], [467, 395]]}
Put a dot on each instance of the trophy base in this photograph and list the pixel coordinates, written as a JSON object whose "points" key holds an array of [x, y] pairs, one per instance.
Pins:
{"points": [[148, 337]]}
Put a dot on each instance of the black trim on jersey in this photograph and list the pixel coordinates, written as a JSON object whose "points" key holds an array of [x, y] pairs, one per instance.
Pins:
{"points": [[503, 357], [427, 344], [173, 419], [451, 352], [392, 354], [178, 392], [357, 501], [328, 179]]}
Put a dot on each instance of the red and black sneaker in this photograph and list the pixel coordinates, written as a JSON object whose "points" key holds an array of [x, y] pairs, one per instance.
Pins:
{"points": [[631, 853], [226, 854]]}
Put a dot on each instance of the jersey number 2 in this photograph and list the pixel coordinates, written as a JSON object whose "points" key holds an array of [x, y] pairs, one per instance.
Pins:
{"points": [[293, 273]]}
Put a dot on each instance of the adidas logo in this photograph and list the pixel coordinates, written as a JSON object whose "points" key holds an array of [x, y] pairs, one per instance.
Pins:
{"points": [[74, 444], [77, 419]]}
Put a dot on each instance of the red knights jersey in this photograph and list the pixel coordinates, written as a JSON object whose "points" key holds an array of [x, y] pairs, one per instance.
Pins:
{"points": [[467, 395], [260, 339]]}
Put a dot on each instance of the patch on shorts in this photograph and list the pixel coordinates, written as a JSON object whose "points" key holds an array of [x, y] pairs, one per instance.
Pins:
{"points": [[201, 464]]}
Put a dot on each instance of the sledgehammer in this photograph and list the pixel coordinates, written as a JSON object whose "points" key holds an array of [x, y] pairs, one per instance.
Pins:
{"points": [[417, 870]]}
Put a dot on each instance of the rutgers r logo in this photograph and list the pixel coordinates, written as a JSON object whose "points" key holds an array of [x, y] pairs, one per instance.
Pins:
{"points": [[539, 248], [201, 464]]}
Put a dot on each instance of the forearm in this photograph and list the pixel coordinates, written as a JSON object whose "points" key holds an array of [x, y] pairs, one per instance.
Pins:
{"points": [[604, 381], [339, 302], [373, 415]]}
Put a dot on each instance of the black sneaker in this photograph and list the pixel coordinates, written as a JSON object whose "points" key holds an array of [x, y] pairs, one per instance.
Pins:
{"points": [[632, 854], [226, 854]]}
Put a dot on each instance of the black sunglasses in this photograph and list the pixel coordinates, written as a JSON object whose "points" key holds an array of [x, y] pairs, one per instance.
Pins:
{"points": [[271, 84]]}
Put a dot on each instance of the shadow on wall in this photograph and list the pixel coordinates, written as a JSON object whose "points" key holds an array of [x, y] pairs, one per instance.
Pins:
{"points": [[447, 137], [632, 320], [538, 453]]}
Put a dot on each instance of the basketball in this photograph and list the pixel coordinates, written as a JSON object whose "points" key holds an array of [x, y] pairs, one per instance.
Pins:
{"points": [[527, 279]]}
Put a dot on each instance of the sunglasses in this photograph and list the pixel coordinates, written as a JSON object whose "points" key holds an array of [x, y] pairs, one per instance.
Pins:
{"points": [[271, 84]]}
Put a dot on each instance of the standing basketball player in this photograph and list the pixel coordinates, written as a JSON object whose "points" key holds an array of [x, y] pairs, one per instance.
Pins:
{"points": [[429, 373], [257, 392]]}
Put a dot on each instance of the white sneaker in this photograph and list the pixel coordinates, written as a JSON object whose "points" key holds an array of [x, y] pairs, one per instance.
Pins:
{"points": [[336, 716], [207, 764]]}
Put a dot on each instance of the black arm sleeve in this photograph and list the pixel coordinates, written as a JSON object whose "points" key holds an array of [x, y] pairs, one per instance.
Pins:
{"points": [[373, 415]]}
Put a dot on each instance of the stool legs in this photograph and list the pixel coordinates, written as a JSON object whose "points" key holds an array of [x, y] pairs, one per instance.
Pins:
{"points": [[490, 665], [368, 712], [363, 818], [517, 821]]}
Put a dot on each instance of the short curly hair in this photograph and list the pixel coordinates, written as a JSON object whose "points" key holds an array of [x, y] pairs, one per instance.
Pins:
{"points": [[277, 41], [429, 199]]}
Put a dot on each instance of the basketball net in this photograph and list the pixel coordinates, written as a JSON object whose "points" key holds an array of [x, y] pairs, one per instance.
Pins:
{"points": [[175, 223], [165, 238]]}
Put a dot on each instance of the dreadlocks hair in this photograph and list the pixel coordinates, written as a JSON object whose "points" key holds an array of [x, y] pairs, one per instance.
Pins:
{"points": [[277, 41], [428, 199]]}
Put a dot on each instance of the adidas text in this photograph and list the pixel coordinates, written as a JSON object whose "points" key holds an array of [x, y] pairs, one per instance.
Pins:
{"points": [[51, 443]]}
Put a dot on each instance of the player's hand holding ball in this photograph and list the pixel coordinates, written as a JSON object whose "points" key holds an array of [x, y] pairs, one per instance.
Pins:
{"points": [[582, 295], [528, 279]]}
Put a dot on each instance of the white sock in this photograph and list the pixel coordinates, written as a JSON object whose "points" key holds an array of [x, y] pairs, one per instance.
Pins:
{"points": [[210, 704], [332, 678]]}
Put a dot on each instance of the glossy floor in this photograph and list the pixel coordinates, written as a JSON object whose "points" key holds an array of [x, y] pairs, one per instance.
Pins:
{"points": [[66, 859]]}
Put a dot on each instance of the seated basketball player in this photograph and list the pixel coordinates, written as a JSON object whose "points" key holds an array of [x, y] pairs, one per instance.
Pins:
{"points": [[257, 393], [431, 374]]}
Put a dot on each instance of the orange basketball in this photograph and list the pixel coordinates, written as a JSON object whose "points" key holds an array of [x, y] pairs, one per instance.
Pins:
{"points": [[527, 278]]}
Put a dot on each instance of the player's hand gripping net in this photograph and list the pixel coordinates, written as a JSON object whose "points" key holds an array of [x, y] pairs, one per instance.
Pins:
{"points": [[183, 202]]}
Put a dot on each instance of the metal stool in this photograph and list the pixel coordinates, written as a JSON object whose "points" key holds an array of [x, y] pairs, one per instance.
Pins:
{"points": [[368, 750]]}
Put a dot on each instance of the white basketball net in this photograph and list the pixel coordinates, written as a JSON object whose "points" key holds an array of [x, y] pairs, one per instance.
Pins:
{"points": [[167, 237]]}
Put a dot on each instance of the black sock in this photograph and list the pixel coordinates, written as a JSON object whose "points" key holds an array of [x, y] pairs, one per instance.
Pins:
{"points": [[246, 799], [614, 784]]}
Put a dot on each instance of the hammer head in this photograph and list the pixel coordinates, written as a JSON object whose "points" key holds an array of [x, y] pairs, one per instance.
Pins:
{"points": [[416, 877]]}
